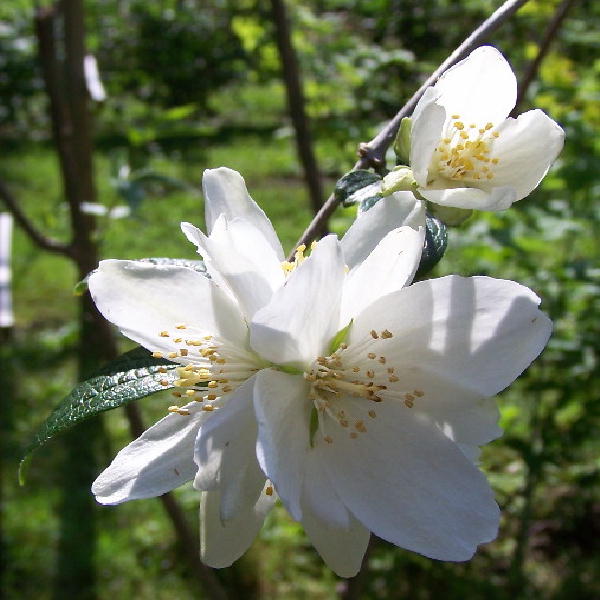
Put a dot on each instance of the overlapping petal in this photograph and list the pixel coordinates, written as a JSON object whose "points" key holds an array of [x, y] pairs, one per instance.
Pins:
{"points": [[283, 414], [399, 209], [225, 194], [428, 498], [302, 316], [240, 259], [143, 300], [223, 542], [479, 332], [160, 460], [388, 268]]}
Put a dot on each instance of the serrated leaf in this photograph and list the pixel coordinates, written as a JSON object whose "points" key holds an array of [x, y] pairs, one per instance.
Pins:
{"points": [[353, 186], [131, 376], [436, 242]]}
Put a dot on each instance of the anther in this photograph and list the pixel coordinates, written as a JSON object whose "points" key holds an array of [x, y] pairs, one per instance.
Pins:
{"points": [[328, 439], [164, 334], [372, 355], [269, 490], [157, 354], [374, 334], [372, 414], [385, 334]]}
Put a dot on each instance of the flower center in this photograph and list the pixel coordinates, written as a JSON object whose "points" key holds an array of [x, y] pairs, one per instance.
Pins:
{"points": [[211, 368], [358, 371], [465, 154]]}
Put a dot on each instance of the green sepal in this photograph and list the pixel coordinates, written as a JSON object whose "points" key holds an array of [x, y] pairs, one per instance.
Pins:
{"points": [[451, 216], [288, 369], [402, 142], [348, 189], [436, 242], [129, 377], [81, 287], [339, 338]]}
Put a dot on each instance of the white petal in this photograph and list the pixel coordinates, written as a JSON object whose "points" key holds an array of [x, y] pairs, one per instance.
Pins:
{"points": [[144, 300], [480, 88], [302, 317], [283, 413], [338, 537], [223, 542], [341, 549], [160, 460], [318, 495], [225, 193], [401, 208], [526, 148], [238, 256], [498, 198], [426, 130], [390, 267], [478, 332], [225, 453], [411, 485]]}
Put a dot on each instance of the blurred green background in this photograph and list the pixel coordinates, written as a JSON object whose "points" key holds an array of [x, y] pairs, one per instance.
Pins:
{"points": [[197, 84]]}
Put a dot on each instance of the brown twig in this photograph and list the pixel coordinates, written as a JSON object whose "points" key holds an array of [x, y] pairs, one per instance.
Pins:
{"points": [[551, 31], [36, 236], [372, 154]]}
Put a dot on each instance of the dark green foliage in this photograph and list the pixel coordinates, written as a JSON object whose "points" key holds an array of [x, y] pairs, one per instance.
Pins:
{"points": [[132, 376], [348, 187], [436, 242]]}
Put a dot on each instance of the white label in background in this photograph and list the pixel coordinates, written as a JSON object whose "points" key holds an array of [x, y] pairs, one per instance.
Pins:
{"points": [[7, 318]]}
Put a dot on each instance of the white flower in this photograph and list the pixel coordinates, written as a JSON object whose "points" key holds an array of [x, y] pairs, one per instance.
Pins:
{"points": [[378, 434], [465, 152]]}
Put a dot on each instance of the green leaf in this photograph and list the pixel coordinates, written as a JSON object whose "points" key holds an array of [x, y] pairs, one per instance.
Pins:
{"points": [[436, 242], [131, 376], [351, 188]]}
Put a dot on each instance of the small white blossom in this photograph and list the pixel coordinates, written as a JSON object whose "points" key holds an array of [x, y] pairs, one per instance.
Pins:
{"points": [[465, 152], [374, 430]]}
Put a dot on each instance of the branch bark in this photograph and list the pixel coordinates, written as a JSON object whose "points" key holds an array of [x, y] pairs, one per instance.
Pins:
{"points": [[296, 103], [372, 154], [547, 38], [33, 233]]}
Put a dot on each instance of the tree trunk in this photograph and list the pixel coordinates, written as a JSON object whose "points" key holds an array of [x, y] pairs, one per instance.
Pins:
{"points": [[296, 104]]}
